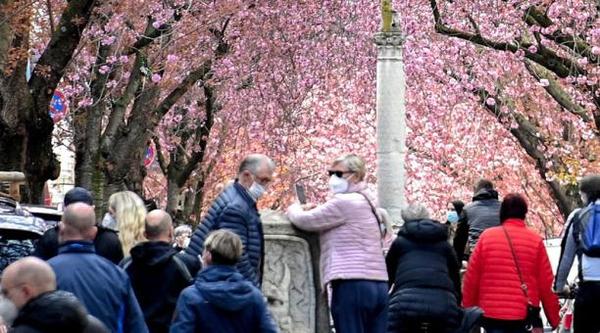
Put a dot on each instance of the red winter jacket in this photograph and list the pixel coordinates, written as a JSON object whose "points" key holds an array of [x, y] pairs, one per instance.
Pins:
{"points": [[492, 281]]}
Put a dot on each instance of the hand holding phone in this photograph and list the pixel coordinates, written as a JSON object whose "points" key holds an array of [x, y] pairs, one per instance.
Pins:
{"points": [[300, 193]]}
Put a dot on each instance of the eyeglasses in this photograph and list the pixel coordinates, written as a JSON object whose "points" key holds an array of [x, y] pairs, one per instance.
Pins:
{"points": [[338, 173]]}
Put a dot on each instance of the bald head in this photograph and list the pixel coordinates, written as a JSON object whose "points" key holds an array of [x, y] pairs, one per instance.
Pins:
{"points": [[78, 222], [27, 278], [159, 226]]}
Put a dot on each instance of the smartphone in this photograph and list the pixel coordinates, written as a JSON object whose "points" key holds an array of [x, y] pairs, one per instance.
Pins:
{"points": [[300, 193]]}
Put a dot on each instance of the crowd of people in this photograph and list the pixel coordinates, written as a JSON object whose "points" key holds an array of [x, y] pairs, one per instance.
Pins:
{"points": [[135, 272]]}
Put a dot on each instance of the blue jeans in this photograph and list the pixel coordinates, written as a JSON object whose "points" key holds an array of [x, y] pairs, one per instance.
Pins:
{"points": [[359, 306]]}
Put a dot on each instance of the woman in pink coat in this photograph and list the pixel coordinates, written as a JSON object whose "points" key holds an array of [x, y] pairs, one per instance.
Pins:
{"points": [[352, 260]]}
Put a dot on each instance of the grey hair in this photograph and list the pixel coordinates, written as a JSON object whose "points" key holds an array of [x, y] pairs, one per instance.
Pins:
{"points": [[414, 212], [253, 162], [354, 163], [182, 229]]}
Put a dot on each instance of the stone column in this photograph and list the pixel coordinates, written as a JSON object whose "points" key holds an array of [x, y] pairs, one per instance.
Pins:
{"points": [[291, 281], [391, 121]]}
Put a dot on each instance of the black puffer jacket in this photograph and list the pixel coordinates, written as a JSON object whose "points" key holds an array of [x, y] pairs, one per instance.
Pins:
{"points": [[235, 210], [55, 311], [423, 267]]}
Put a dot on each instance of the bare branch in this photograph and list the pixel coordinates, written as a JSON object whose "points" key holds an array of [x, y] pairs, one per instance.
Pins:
{"points": [[60, 50]]}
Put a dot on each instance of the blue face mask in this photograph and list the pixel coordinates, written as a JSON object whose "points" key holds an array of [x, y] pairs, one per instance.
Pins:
{"points": [[452, 216]]}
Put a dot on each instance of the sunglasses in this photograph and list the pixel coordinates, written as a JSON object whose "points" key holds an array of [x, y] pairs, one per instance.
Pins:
{"points": [[337, 173]]}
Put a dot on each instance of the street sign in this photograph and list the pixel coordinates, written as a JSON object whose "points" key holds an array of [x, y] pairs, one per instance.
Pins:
{"points": [[149, 156], [58, 107]]}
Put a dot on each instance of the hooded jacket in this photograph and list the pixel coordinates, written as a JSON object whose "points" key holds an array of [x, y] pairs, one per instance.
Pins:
{"points": [[482, 213], [157, 282], [221, 300], [55, 311], [235, 210], [423, 267]]}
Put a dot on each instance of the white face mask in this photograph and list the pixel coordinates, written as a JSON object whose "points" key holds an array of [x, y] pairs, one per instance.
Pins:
{"points": [[256, 191], [108, 221], [338, 184], [9, 310]]}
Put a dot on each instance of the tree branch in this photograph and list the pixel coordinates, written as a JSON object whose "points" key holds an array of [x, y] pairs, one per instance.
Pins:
{"points": [[555, 90], [535, 16], [529, 139], [563, 67], [119, 107], [59, 52], [193, 77], [159, 154]]}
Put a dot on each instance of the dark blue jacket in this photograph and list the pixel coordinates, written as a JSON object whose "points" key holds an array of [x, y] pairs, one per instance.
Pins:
{"points": [[423, 267], [235, 210], [222, 301], [100, 285]]}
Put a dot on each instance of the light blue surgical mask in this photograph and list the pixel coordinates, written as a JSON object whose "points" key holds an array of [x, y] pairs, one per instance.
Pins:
{"points": [[452, 216]]}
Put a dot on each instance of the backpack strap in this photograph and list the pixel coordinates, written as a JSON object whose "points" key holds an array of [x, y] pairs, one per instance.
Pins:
{"points": [[185, 272], [125, 263], [576, 230]]}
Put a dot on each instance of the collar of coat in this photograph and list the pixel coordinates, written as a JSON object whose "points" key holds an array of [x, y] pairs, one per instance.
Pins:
{"points": [[77, 247]]}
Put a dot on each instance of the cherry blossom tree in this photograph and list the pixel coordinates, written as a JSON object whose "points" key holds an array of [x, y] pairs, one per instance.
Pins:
{"points": [[25, 124]]}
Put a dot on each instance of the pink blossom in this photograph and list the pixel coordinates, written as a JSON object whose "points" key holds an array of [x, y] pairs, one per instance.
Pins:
{"points": [[490, 101], [172, 58], [596, 50], [544, 82], [532, 49], [109, 40], [103, 69], [156, 77]]}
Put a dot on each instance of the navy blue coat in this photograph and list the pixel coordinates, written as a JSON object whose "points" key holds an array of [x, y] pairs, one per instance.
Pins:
{"points": [[102, 287], [235, 210], [423, 267], [221, 300]]}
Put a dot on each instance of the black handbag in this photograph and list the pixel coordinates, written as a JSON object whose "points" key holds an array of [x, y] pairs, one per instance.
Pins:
{"points": [[533, 318]]}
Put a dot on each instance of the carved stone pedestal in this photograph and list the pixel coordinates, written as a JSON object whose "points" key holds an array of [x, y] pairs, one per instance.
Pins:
{"points": [[291, 277]]}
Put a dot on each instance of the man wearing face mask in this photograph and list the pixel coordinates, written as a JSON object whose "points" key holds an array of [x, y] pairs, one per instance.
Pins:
{"points": [[351, 238], [235, 209]]}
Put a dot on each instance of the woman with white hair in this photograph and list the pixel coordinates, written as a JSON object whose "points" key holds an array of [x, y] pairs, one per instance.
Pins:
{"points": [[352, 260], [423, 269]]}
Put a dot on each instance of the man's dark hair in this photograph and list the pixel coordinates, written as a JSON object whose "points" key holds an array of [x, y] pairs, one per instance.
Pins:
{"points": [[513, 206], [483, 184], [590, 185], [458, 206]]}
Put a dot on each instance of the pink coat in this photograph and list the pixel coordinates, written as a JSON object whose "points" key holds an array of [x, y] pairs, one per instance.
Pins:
{"points": [[349, 236]]}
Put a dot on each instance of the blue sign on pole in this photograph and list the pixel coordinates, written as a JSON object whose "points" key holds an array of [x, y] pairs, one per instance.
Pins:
{"points": [[58, 107]]}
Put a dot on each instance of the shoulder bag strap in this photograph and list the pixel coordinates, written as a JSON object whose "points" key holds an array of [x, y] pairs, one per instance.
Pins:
{"points": [[380, 225], [514, 255], [183, 269]]}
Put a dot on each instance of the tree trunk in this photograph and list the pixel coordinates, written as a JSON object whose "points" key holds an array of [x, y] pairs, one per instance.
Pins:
{"points": [[173, 191]]}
